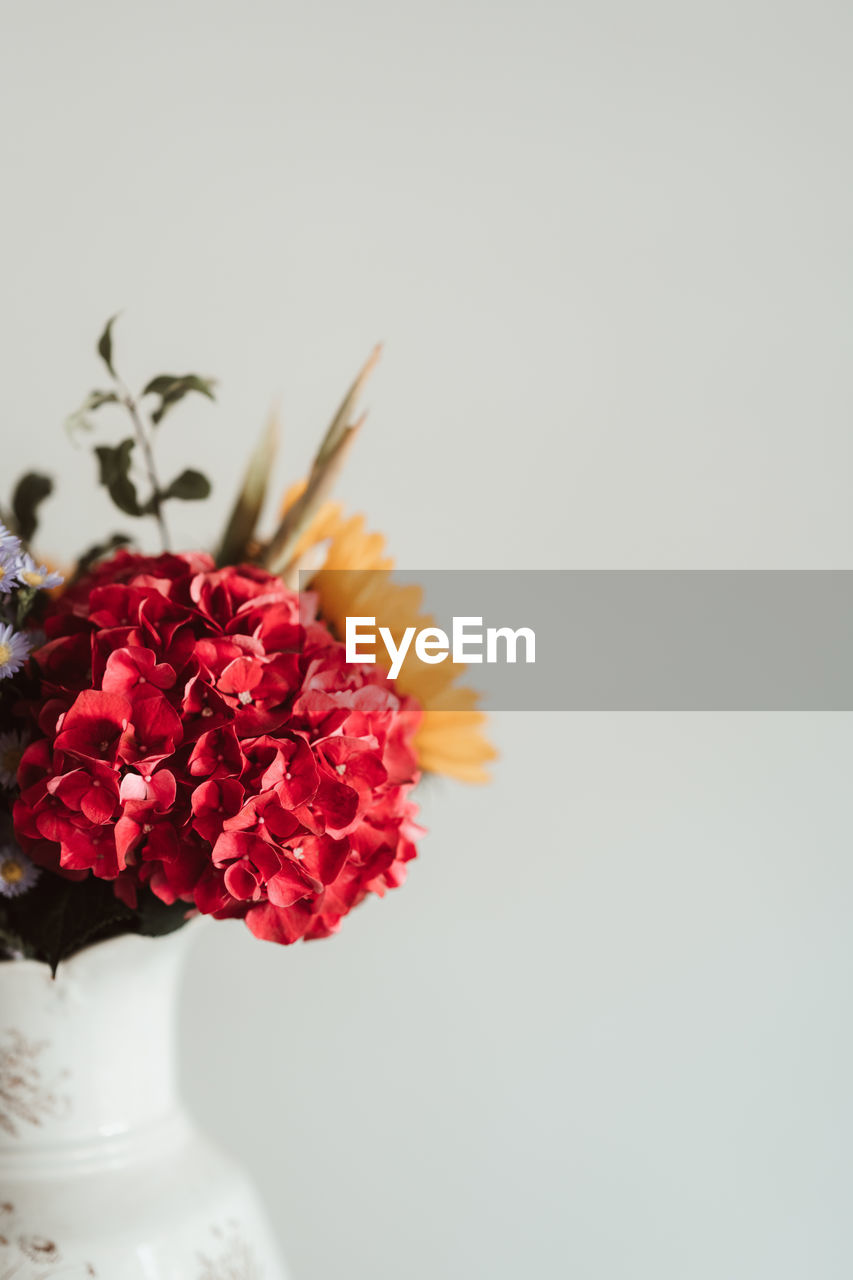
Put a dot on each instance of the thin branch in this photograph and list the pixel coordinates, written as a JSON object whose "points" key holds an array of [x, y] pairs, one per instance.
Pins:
{"points": [[324, 470], [148, 455]]}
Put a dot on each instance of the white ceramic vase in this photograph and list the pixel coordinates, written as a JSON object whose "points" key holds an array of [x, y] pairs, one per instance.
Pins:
{"points": [[102, 1172]]}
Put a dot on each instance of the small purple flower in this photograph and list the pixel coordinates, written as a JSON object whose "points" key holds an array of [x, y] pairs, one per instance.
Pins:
{"points": [[36, 576], [18, 873], [9, 540], [10, 560], [14, 651]]}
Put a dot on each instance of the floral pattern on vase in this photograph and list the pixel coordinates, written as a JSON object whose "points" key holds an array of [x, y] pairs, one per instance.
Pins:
{"points": [[102, 1170], [19, 1247], [231, 1257], [25, 1097]]}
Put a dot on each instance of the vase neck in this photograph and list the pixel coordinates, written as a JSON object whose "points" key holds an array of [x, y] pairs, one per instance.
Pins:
{"points": [[89, 1056]]}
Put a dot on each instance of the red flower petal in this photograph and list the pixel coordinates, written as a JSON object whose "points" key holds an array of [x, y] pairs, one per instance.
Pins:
{"points": [[199, 733]]}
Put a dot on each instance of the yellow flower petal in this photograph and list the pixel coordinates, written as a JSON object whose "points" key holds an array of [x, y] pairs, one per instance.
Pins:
{"points": [[354, 579]]}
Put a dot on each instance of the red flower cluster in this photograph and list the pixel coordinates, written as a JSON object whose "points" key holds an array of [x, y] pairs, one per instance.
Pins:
{"points": [[201, 735]]}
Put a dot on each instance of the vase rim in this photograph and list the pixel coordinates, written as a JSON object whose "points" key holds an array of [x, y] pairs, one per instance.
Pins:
{"points": [[98, 949]]}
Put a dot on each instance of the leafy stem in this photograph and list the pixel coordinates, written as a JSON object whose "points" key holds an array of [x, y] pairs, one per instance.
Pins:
{"points": [[143, 437], [115, 461]]}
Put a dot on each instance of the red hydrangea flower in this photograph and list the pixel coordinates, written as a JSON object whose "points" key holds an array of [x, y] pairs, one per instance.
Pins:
{"points": [[200, 732]]}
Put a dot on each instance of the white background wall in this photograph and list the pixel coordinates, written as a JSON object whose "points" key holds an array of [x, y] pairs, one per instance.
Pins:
{"points": [[605, 1031]]}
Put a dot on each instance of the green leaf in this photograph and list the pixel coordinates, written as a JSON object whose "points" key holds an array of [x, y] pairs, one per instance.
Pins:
{"points": [[171, 388], [327, 463], [156, 918], [11, 943], [114, 463], [59, 916], [30, 491], [105, 343], [250, 500], [95, 399], [99, 550], [277, 555], [338, 426], [25, 598], [79, 420], [166, 383], [189, 485]]}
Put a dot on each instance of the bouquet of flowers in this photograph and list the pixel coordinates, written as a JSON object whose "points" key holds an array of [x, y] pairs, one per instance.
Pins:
{"points": [[181, 733]]}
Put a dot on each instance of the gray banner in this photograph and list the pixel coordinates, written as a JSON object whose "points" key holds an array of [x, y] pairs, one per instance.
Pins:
{"points": [[626, 640]]}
